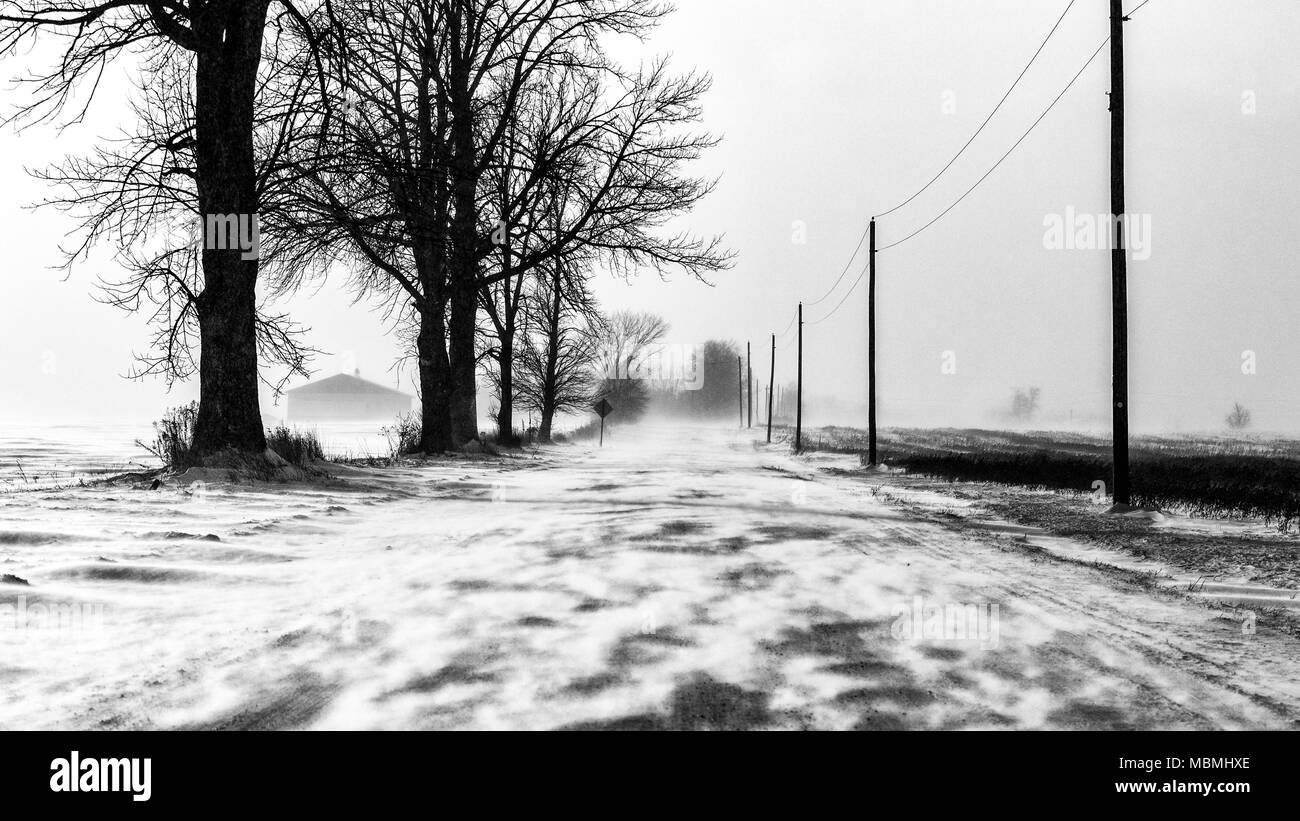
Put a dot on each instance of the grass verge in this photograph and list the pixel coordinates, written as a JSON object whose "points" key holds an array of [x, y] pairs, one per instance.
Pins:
{"points": [[1226, 477]]}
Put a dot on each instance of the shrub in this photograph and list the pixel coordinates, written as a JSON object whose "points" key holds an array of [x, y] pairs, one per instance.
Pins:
{"points": [[173, 443], [519, 438], [295, 446], [591, 430], [403, 435], [1024, 403]]}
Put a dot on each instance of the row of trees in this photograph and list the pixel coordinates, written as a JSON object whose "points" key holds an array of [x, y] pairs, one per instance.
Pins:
{"points": [[470, 163], [698, 383]]}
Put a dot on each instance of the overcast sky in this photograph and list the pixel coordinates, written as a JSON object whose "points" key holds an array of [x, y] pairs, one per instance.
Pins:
{"points": [[831, 111]]}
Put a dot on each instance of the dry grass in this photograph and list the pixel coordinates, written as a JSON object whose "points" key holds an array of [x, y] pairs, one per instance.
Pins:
{"points": [[1256, 477], [173, 443], [296, 447]]}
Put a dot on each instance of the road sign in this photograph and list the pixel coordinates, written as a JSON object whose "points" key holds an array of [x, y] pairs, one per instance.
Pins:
{"points": [[602, 408]]}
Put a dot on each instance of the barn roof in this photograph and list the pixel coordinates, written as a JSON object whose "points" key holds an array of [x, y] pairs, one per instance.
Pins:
{"points": [[341, 384]]}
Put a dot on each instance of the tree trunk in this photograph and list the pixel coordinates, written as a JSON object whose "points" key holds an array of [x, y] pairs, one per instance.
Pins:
{"points": [[431, 341], [229, 34], [435, 382], [462, 275], [505, 413], [506, 353], [464, 292], [463, 394], [229, 413], [549, 388]]}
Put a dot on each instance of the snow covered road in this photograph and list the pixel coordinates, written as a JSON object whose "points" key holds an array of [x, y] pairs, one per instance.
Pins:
{"points": [[674, 579]]}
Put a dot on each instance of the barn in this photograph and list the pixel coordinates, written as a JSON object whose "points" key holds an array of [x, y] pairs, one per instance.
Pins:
{"points": [[345, 398]]}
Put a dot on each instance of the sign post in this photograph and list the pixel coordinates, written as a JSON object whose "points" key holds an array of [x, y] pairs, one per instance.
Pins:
{"points": [[602, 408]]}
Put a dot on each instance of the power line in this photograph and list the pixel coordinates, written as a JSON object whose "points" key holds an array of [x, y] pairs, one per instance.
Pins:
{"points": [[843, 299], [977, 184], [858, 248], [847, 265], [987, 119], [998, 164], [793, 316], [1136, 10]]}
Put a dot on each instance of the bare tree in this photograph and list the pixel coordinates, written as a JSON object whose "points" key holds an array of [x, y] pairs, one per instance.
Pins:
{"points": [[224, 41], [557, 361], [1024, 403], [543, 157], [374, 195], [494, 51], [631, 151], [504, 299], [139, 194], [629, 338], [1239, 419], [470, 115], [715, 394]]}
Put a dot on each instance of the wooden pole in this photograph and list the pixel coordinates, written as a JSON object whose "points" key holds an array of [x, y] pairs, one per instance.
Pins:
{"points": [[871, 348], [749, 386], [1118, 260], [771, 380], [798, 408], [740, 389]]}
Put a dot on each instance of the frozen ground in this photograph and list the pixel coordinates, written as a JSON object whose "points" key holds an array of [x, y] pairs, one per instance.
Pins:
{"points": [[60, 454], [679, 579]]}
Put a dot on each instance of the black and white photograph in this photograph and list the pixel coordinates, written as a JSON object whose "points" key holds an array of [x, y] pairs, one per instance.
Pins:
{"points": [[710, 365]]}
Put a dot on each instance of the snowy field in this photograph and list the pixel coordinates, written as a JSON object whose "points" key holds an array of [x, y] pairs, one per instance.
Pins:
{"points": [[673, 579], [62, 454]]}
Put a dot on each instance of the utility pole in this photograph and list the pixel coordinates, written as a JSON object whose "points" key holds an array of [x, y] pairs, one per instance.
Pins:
{"points": [[749, 385], [740, 390], [871, 347], [1118, 259], [798, 408], [771, 379]]}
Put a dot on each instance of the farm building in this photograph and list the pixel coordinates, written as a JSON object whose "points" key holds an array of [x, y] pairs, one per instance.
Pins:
{"points": [[345, 398]]}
